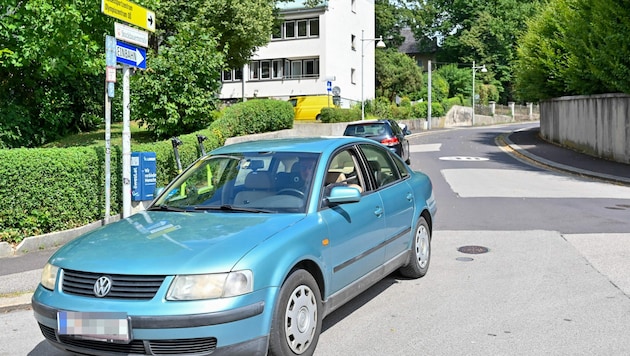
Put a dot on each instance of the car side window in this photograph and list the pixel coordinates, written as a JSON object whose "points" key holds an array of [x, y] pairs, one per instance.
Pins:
{"points": [[343, 169], [382, 169]]}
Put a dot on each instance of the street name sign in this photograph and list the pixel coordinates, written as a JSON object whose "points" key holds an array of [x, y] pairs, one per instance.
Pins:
{"points": [[131, 55], [129, 12], [131, 35]]}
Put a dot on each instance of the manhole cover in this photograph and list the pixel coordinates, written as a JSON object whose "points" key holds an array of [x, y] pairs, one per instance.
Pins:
{"points": [[473, 250], [464, 259]]}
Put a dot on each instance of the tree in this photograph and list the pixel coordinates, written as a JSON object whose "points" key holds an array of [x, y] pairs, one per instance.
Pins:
{"points": [[390, 19], [459, 80], [52, 64], [397, 74], [483, 31], [50, 59], [575, 47], [196, 41]]}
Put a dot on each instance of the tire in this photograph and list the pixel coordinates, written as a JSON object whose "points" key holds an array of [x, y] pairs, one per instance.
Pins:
{"points": [[420, 252], [297, 318]]}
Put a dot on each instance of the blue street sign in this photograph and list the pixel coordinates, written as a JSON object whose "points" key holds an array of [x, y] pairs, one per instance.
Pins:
{"points": [[131, 55], [329, 86], [110, 51]]}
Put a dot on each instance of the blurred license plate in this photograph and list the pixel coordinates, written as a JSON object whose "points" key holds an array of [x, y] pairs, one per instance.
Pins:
{"points": [[101, 326]]}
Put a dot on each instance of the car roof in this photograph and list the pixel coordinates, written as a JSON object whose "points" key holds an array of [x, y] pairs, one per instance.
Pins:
{"points": [[297, 144], [371, 121]]}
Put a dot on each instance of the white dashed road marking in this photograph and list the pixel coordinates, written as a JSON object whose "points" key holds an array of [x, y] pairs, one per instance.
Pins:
{"points": [[504, 183]]}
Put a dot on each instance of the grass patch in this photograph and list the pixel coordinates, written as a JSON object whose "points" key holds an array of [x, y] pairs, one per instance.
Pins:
{"points": [[97, 137]]}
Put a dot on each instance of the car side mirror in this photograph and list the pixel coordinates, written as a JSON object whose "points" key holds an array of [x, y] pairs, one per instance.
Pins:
{"points": [[343, 194]]}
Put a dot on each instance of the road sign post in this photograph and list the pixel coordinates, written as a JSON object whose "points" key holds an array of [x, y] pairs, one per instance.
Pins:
{"points": [[129, 12], [131, 55]]}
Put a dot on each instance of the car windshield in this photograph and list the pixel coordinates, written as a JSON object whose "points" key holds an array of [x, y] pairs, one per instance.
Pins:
{"points": [[270, 182]]}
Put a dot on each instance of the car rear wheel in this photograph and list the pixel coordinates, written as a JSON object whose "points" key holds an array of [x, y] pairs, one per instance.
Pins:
{"points": [[297, 320], [420, 252]]}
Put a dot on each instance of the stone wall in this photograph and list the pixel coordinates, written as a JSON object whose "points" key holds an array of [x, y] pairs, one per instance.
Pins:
{"points": [[598, 125]]}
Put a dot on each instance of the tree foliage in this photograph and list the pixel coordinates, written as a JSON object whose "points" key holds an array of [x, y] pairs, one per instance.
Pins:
{"points": [[397, 74], [575, 47], [52, 64], [50, 57], [484, 31]]}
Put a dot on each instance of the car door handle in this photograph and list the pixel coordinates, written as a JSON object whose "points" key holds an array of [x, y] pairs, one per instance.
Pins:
{"points": [[378, 212], [409, 197]]}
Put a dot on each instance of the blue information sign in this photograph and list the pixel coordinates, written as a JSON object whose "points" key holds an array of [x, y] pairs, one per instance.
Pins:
{"points": [[131, 55]]}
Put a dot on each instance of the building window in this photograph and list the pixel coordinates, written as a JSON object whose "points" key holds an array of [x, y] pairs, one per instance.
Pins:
{"points": [[265, 69], [353, 5], [296, 69], [353, 74], [254, 69], [302, 28], [227, 76], [289, 29], [276, 32], [276, 69], [353, 42], [314, 27], [279, 68], [296, 29], [310, 68]]}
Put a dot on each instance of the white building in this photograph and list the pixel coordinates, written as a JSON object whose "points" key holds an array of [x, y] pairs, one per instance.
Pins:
{"points": [[313, 46]]}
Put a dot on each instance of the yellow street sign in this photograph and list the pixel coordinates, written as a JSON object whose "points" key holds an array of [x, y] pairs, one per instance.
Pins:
{"points": [[129, 12]]}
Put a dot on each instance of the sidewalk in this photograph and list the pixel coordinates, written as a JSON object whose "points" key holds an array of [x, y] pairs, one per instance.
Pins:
{"points": [[18, 279], [528, 145]]}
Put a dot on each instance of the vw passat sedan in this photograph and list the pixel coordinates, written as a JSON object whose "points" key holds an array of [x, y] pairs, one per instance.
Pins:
{"points": [[244, 253]]}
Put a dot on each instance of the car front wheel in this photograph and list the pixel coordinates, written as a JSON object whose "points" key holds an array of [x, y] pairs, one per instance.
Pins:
{"points": [[420, 252], [297, 320]]}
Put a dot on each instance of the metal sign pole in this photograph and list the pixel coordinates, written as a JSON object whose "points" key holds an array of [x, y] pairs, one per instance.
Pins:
{"points": [[126, 146], [110, 78]]}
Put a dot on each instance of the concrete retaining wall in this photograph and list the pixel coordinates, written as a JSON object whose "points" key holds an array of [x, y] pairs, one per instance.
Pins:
{"points": [[598, 125]]}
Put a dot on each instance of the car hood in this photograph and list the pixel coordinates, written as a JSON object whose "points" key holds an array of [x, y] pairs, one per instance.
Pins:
{"points": [[166, 243]]}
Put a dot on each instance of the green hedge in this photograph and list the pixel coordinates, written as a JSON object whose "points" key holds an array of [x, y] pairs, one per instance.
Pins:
{"points": [[331, 115], [52, 189]]}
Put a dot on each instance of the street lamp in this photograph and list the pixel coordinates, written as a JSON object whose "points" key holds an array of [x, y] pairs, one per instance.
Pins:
{"points": [[379, 44], [474, 69]]}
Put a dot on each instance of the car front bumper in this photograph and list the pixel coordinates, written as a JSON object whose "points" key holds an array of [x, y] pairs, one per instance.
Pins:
{"points": [[238, 326]]}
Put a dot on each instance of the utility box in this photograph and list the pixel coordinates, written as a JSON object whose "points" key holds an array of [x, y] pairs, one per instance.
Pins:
{"points": [[143, 175]]}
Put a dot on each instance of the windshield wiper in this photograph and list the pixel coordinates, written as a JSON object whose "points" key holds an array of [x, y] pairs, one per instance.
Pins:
{"points": [[227, 207], [165, 207]]}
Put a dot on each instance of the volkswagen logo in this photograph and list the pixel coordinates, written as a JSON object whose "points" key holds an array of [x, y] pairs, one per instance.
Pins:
{"points": [[102, 286]]}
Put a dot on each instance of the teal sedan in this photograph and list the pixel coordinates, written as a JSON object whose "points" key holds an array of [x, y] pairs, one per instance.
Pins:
{"points": [[244, 253]]}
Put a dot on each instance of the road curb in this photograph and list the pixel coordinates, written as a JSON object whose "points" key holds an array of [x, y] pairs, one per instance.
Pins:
{"points": [[22, 301], [50, 240]]}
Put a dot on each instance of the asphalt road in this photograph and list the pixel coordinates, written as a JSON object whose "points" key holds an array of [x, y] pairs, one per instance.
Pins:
{"points": [[553, 280]]}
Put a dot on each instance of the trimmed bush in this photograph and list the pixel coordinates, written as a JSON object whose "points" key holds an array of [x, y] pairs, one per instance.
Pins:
{"points": [[52, 189], [331, 115]]}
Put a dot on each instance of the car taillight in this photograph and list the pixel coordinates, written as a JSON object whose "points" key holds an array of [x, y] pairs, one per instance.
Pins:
{"points": [[390, 141]]}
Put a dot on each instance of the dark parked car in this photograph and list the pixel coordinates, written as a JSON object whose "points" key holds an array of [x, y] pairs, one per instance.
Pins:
{"points": [[386, 131]]}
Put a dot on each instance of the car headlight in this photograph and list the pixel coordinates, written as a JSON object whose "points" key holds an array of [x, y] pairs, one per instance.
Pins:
{"points": [[49, 276], [209, 286]]}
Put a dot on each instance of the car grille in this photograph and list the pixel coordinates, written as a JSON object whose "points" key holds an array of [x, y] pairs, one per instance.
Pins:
{"points": [[198, 346], [123, 286]]}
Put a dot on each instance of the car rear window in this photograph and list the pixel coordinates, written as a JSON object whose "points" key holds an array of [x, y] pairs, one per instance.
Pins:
{"points": [[366, 130]]}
